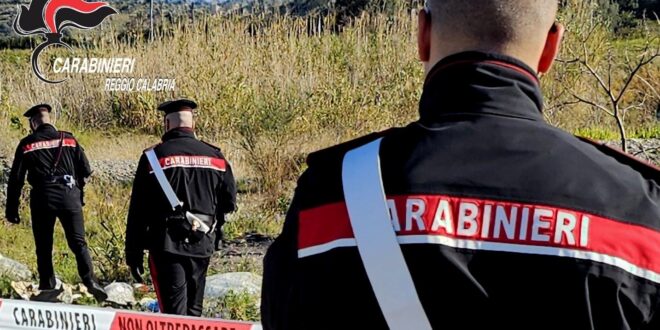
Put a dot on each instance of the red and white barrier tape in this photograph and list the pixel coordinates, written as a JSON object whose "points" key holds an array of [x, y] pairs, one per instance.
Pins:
{"points": [[21, 315]]}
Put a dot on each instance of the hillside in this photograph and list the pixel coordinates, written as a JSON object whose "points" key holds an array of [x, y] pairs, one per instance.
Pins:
{"points": [[137, 12]]}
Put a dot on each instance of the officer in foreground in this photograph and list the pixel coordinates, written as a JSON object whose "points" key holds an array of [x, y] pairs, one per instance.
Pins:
{"points": [[178, 217], [56, 168], [479, 215]]}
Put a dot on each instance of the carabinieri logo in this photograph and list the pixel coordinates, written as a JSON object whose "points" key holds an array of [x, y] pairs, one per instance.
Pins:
{"points": [[51, 17]]}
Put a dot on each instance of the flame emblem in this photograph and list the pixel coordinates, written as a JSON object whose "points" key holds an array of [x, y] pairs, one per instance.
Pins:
{"points": [[51, 17]]}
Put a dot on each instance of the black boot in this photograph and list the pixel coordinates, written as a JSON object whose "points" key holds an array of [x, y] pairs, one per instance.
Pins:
{"points": [[47, 283], [97, 291], [48, 292]]}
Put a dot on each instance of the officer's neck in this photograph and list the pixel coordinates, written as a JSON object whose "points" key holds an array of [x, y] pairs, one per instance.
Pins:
{"points": [[182, 129], [179, 132], [45, 126]]}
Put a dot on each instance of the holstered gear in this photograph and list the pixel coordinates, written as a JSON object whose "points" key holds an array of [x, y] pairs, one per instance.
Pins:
{"points": [[191, 228], [67, 180]]}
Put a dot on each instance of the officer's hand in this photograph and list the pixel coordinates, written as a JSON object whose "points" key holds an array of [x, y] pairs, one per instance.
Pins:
{"points": [[135, 262], [218, 244], [136, 272], [219, 235], [13, 218]]}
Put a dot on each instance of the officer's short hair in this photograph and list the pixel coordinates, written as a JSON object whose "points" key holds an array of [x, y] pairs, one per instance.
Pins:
{"points": [[493, 22]]}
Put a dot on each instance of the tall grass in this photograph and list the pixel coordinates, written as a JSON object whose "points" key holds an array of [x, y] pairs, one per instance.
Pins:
{"points": [[281, 79]]}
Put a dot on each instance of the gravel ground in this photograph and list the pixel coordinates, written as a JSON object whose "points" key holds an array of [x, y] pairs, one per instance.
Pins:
{"points": [[240, 255], [121, 171], [648, 150]]}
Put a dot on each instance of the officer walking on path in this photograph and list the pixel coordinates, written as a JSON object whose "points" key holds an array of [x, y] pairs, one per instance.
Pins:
{"points": [[56, 168], [182, 190], [480, 215]]}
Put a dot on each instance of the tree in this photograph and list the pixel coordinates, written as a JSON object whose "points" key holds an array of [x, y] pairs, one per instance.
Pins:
{"points": [[611, 77]]}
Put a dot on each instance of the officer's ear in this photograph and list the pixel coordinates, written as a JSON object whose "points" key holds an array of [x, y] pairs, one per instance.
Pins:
{"points": [[424, 28], [551, 49]]}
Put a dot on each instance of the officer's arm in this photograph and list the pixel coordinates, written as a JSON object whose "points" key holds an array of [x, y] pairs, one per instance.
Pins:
{"points": [[227, 193], [83, 169], [278, 293], [136, 225], [654, 324], [16, 182]]}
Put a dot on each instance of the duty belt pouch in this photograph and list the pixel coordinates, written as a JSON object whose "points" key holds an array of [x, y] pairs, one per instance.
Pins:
{"points": [[181, 224], [178, 226], [185, 226]]}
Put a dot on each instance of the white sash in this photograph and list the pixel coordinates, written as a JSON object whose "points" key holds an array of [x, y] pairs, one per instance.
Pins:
{"points": [[377, 242]]}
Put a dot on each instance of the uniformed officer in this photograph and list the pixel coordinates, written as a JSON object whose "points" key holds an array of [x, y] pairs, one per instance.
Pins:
{"points": [[179, 234], [56, 168], [479, 215]]}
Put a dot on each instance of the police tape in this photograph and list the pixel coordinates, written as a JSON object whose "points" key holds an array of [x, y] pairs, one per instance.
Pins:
{"points": [[21, 315]]}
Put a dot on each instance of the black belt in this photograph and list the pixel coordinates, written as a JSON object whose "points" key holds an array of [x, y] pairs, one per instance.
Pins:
{"points": [[67, 180]]}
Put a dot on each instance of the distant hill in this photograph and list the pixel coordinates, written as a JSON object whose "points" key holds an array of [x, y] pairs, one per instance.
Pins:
{"points": [[134, 13]]}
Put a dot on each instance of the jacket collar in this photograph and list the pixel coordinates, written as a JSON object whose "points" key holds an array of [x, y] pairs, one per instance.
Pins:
{"points": [[181, 132], [481, 83], [46, 127]]}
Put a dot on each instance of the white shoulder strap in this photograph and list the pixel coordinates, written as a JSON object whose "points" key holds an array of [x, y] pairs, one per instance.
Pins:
{"points": [[377, 242], [162, 179]]}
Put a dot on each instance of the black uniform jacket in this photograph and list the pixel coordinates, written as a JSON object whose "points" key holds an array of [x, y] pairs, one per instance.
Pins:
{"points": [[505, 222], [35, 156], [202, 180]]}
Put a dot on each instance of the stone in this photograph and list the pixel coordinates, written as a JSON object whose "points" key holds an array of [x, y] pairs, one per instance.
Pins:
{"points": [[120, 293], [218, 286], [14, 270]]}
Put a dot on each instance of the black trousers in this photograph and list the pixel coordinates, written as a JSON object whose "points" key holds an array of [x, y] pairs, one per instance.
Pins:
{"points": [[179, 282], [43, 225]]}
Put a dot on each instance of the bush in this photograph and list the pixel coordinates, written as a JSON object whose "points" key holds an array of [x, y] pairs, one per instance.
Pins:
{"points": [[240, 306]]}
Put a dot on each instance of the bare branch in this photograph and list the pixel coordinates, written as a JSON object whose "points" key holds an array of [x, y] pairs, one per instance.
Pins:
{"points": [[623, 111], [601, 82], [563, 104], [642, 63], [609, 69], [645, 151], [646, 82], [575, 60], [594, 104]]}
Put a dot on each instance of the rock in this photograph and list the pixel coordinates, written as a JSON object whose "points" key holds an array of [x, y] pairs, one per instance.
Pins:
{"points": [[14, 270], [120, 293], [217, 286], [119, 171], [645, 149]]}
